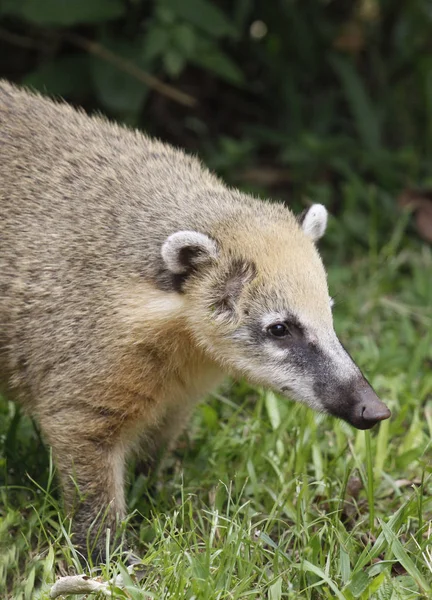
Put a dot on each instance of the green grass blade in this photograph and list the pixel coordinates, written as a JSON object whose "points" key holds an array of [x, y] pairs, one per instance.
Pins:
{"points": [[402, 556]]}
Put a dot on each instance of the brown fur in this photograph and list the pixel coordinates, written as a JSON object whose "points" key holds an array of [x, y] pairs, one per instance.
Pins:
{"points": [[94, 342]]}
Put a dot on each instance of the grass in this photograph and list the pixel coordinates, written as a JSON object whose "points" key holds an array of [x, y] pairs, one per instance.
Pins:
{"points": [[264, 499]]}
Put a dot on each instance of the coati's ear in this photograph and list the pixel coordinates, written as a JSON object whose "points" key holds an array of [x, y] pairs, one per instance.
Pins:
{"points": [[314, 221], [184, 251], [227, 292]]}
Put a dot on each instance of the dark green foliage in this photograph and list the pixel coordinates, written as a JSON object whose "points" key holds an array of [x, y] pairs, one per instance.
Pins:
{"points": [[295, 99], [62, 12]]}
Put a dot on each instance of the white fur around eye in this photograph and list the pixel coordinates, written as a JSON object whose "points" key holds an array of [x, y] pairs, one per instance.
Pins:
{"points": [[314, 223], [271, 319], [180, 240], [275, 352]]}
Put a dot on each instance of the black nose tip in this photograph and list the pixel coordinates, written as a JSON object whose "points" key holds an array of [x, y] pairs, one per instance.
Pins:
{"points": [[369, 409], [377, 412]]}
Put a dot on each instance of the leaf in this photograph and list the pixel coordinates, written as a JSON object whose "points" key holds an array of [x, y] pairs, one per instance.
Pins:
{"points": [[155, 42], [359, 584], [48, 565], [275, 590], [211, 58], [344, 562], [272, 409], [203, 14], [267, 540], [376, 584], [402, 556], [117, 89], [183, 38], [308, 566], [209, 416], [64, 12], [29, 586], [62, 77], [174, 62], [362, 108]]}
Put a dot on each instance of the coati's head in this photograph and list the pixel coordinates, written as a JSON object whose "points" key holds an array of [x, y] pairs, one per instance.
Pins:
{"points": [[258, 303]]}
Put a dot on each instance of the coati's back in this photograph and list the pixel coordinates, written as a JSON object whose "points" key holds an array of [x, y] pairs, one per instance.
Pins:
{"points": [[85, 207], [78, 182]]}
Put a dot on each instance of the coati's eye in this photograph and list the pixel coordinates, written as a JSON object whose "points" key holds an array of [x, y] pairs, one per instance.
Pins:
{"points": [[278, 330]]}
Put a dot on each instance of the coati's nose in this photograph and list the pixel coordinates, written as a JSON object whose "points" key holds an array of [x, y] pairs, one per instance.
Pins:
{"points": [[368, 409]]}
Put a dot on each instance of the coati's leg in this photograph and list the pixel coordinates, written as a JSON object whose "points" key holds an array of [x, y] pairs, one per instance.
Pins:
{"points": [[89, 454], [93, 490], [160, 439]]}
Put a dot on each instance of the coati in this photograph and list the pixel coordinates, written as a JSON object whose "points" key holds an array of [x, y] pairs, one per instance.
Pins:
{"points": [[132, 280]]}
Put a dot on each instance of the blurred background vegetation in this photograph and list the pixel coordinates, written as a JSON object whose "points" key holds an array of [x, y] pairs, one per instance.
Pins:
{"points": [[298, 100]]}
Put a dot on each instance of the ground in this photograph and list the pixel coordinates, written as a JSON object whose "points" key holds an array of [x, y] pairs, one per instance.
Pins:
{"points": [[263, 498]]}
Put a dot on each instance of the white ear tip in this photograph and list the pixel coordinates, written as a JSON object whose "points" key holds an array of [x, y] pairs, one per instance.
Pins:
{"points": [[319, 214], [315, 222], [170, 254], [180, 240], [319, 210]]}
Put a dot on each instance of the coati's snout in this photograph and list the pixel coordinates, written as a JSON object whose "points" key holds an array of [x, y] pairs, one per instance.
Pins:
{"points": [[325, 377], [368, 409], [358, 404]]}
